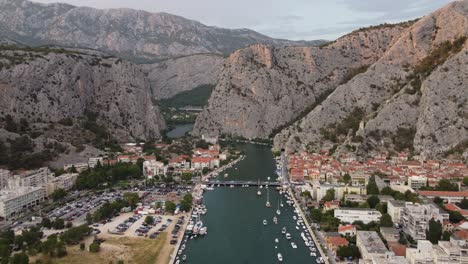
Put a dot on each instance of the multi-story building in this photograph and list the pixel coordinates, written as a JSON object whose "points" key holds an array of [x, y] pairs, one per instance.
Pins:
{"points": [[445, 252], [449, 197], [389, 258], [80, 166], [417, 181], [92, 162], [152, 168], [33, 178], [14, 200], [4, 176], [394, 209], [415, 218], [340, 190], [350, 215], [420, 255], [199, 163], [64, 181], [370, 245]]}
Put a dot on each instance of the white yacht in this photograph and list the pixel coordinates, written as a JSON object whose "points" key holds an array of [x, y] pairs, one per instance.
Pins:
{"points": [[280, 257], [293, 245], [268, 199], [265, 222], [276, 240], [275, 220], [259, 192], [283, 230], [288, 236]]}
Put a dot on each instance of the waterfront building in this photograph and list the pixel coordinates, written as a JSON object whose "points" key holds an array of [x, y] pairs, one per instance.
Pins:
{"points": [[334, 242], [350, 215], [394, 209], [15, 200], [347, 230], [64, 181], [415, 218], [199, 163], [370, 245]]}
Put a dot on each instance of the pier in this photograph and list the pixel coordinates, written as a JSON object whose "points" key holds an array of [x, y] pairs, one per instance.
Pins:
{"points": [[242, 183]]}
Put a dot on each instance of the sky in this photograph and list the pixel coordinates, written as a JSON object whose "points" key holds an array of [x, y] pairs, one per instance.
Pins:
{"points": [[287, 19]]}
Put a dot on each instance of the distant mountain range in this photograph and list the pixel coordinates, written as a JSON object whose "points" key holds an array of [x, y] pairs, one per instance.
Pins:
{"points": [[388, 87], [127, 33]]}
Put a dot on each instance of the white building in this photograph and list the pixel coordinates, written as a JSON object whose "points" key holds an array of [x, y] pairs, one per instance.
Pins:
{"points": [[388, 258], [64, 181], [350, 215], [394, 209], [92, 162], [15, 200], [416, 182], [4, 176], [81, 166], [152, 168], [370, 245], [445, 252], [415, 218], [33, 178]]}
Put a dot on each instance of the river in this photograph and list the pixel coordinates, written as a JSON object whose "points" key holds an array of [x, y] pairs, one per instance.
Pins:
{"points": [[236, 233], [179, 130]]}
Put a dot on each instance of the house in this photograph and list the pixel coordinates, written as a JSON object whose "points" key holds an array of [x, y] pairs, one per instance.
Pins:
{"points": [[298, 175], [331, 205], [347, 230], [335, 242]]}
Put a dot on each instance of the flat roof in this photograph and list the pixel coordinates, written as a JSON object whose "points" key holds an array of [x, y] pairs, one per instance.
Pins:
{"points": [[372, 242]]}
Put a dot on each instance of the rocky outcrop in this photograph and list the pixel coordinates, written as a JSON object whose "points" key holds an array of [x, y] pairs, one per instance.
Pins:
{"points": [[124, 32], [172, 76], [44, 86], [413, 97], [263, 88]]}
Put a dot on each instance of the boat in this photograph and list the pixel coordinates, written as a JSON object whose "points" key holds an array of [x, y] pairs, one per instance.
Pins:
{"points": [[288, 236], [280, 257], [283, 230], [307, 243], [265, 222], [276, 240], [203, 231], [281, 203], [225, 175], [297, 227], [268, 199], [294, 217], [184, 257], [275, 220], [293, 245], [313, 254], [278, 212], [259, 192]]}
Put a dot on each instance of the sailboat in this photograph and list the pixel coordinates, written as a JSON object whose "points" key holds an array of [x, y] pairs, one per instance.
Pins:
{"points": [[281, 203], [268, 199], [278, 212], [259, 192]]}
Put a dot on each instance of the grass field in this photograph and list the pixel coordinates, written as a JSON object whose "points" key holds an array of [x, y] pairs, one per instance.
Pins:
{"points": [[129, 250]]}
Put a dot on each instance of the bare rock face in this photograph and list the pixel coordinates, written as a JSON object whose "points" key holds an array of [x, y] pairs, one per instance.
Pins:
{"points": [[410, 87], [124, 32], [172, 76], [263, 88], [47, 86]]}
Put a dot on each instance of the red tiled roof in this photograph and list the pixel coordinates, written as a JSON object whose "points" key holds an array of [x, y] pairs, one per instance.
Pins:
{"points": [[345, 228], [443, 193], [338, 241]]}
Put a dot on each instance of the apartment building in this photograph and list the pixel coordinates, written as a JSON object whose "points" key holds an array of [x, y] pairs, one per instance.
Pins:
{"points": [[33, 178], [15, 200], [4, 176], [415, 218], [370, 245], [350, 215], [64, 181], [394, 209], [152, 168], [445, 252], [417, 181]]}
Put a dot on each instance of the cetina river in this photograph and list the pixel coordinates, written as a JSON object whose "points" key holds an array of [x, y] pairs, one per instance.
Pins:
{"points": [[234, 219]]}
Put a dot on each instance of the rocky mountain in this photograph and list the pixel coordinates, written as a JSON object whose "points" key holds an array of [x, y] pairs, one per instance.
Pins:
{"points": [[78, 93], [172, 76], [127, 33], [396, 88]]}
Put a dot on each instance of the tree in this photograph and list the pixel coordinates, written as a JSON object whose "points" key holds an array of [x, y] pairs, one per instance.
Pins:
{"points": [[346, 178], [329, 196], [131, 198], [446, 236], [89, 218], [69, 224], [61, 249], [373, 200], [348, 251], [446, 185], [170, 206], [435, 231], [402, 240], [316, 215], [463, 204], [465, 181], [186, 176], [82, 246], [455, 217], [46, 222], [372, 188], [386, 220], [94, 247], [20, 258], [59, 194], [59, 223], [186, 202], [438, 200], [149, 220]]}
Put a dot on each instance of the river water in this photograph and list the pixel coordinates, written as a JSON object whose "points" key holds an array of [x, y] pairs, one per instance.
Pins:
{"points": [[179, 130], [236, 233]]}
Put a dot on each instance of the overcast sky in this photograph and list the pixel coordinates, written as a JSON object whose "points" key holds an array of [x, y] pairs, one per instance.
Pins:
{"points": [[289, 19]]}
